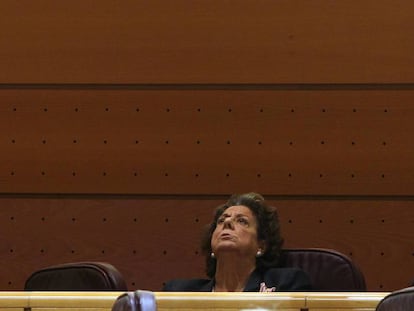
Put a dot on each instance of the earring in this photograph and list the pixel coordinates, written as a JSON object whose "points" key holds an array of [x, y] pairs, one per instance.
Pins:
{"points": [[259, 253], [212, 255]]}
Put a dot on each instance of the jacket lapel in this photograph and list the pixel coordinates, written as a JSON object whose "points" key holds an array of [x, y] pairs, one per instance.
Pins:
{"points": [[207, 287], [253, 283]]}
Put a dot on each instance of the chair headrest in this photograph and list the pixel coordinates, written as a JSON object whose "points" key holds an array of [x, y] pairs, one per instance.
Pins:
{"points": [[135, 301]]}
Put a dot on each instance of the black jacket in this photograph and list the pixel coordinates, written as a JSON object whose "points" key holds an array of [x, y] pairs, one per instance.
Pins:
{"points": [[283, 279]]}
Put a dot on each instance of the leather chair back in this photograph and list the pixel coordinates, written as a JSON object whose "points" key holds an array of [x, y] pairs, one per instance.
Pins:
{"points": [[400, 300], [77, 276], [328, 269], [135, 301]]}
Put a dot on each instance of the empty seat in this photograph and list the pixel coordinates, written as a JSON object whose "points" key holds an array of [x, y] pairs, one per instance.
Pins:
{"points": [[135, 301], [329, 270], [400, 300], [77, 276]]}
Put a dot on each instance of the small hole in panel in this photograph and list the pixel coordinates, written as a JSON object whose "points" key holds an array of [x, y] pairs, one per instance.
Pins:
{"points": [[75, 141], [354, 110], [261, 110], [292, 110], [382, 253], [133, 283], [164, 252], [290, 221], [167, 142], [351, 221], [385, 110], [137, 109], [10, 283], [13, 141], [228, 142], [350, 254], [45, 109], [196, 175], [73, 219], [199, 109], [73, 174], [323, 110], [76, 109], [259, 143], [14, 109], [12, 218], [384, 143], [72, 251], [11, 250], [105, 141], [166, 174], [135, 219], [322, 142], [43, 219], [43, 173], [353, 143], [44, 141], [106, 109], [290, 175], [104, 219], [134, 252], [197, 220], [12, 173], [227, 175], [104, 174], [291, 143], [230, 110], [198, 142], [320, 175], [196, 252], [103, 251], [137, 142], [381, 286], [259, 175], [135, 174], [352, 175], [42, 251], [167, 110], [166, 220], [320, 221]]}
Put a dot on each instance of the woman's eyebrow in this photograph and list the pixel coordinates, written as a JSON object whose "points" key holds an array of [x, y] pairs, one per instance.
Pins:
{"points": [[241, 215], [237, 215]]}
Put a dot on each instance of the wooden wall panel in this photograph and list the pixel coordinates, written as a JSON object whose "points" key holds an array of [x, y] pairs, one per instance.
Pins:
{"points": [[151, 240], [207, 42], [101, 105], [207, 142]]}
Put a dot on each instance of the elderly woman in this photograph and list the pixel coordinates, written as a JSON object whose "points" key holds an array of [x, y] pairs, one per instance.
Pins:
{"points": [[242, 247]]}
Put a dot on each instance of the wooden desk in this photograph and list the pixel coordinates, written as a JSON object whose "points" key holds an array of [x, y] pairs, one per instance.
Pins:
{"points": [[343, 301], [103, 301], [230, 301]]}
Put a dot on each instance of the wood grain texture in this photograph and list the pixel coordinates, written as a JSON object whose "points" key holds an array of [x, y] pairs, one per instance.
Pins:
{"points": [[207, 142], [156, 239], [128, 122], [207, 42]]}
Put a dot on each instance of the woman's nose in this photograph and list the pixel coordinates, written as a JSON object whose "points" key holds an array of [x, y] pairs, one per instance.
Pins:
{"points": [[228, 223]]}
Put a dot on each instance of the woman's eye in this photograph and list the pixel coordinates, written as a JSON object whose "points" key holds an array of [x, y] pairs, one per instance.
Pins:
{"points": [[243, 221], [220, 220]]}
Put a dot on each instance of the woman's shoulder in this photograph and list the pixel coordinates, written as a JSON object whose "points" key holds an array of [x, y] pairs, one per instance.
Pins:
{"points": [[188, 285], [288, 279]]}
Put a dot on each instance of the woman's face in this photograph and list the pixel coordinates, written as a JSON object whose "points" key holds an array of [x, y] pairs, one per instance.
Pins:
{"points": [[236, 231]]}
